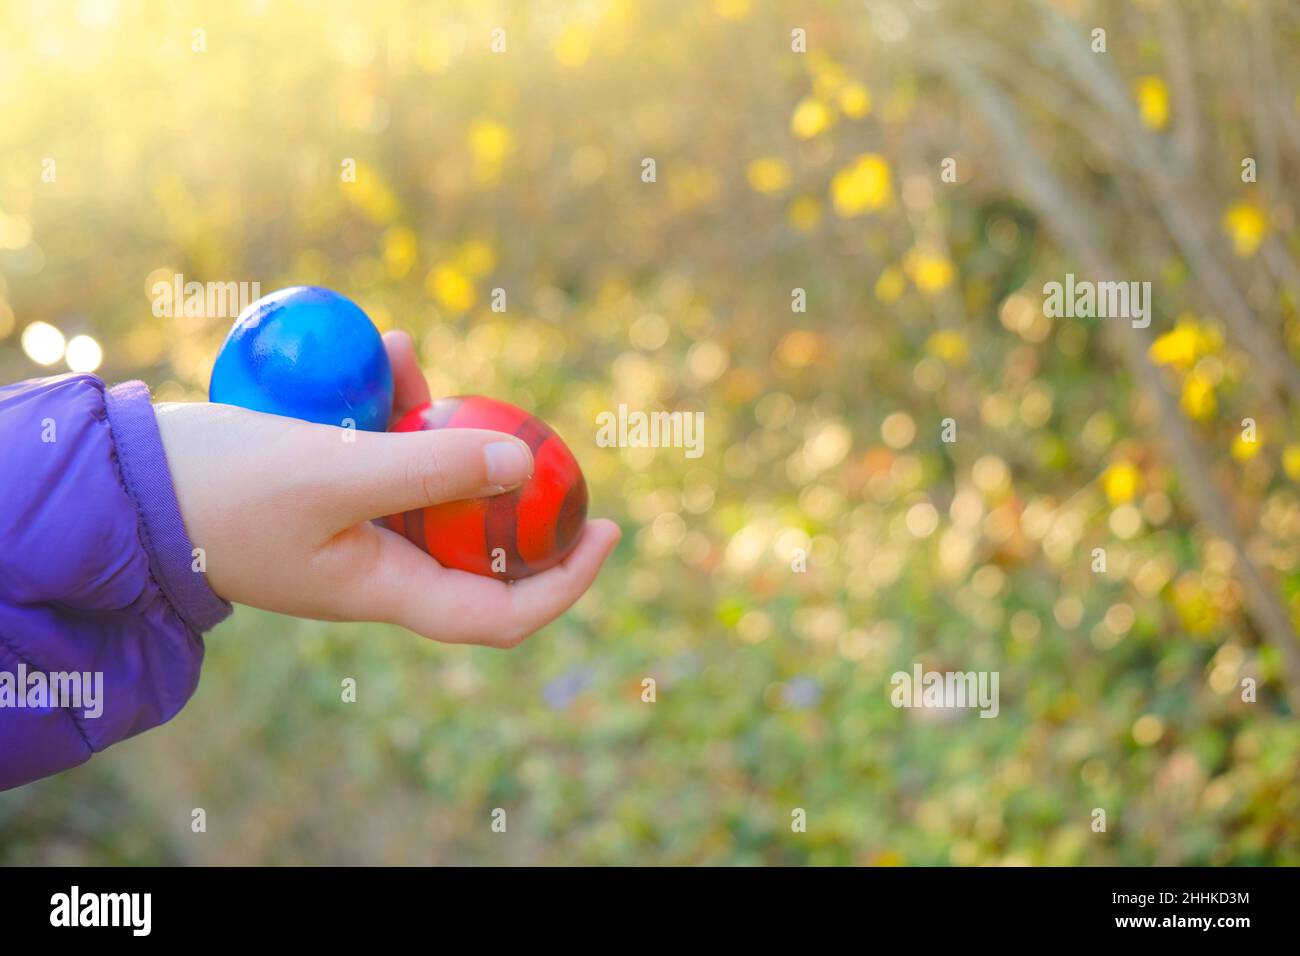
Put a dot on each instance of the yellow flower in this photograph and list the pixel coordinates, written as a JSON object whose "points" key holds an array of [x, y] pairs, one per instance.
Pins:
{"points": [[434, 52], [731, 9], [1291, 462], [1243, 450], [827, 76], [855, 100], [451, 288], [811, 117], [890, 285], [400, 247], [1246, 226], [1121, 482], [931, 271], [863, 186], [948, 345], [476, 258], [1176, 347], [1198, 397], [489, 144], [1153, 101], [805, 213], [372, 195], [1194, 604], [572, 47], [768, 174]]}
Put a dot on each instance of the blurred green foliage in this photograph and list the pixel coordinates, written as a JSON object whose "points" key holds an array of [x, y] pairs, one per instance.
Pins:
{"points": [[774, 170]]}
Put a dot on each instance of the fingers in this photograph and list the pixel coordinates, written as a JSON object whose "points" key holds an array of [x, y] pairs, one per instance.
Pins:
{"points": [[412, 590], [410, 388], [542, 598], [455, 466], [379, 474]]}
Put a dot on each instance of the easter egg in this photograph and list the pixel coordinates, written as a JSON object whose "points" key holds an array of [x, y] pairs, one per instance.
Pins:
{"points": [[511, 535], [307, 353]]}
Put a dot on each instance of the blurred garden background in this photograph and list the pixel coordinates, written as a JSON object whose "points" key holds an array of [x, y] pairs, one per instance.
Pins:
{"points": [[502, 145]]}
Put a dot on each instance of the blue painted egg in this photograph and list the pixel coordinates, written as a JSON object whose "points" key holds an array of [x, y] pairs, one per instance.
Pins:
{"points": [[307, 353]]}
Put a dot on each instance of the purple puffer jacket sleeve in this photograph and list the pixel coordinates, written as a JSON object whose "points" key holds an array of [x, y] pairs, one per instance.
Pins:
{"points": [[96, 576]]}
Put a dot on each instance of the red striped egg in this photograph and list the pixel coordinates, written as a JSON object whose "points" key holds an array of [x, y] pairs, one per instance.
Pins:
{"points": [[508, 536]]}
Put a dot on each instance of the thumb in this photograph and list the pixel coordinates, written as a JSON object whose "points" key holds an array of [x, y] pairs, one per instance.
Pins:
{"points": [[383, 473]]}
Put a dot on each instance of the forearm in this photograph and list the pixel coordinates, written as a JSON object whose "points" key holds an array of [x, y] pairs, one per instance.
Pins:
{"points": [[97, 585]]}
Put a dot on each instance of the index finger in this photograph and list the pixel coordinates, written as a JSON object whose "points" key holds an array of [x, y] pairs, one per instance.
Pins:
{"points": [[410, 388]]}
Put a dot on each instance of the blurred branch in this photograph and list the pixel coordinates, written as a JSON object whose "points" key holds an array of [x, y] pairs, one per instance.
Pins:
{"points": [[1273, 106], [1187, 132], [1274, 365], [1066, 216], [1258, 66], [1267, 106], [1281, 264], [1063, 105]]}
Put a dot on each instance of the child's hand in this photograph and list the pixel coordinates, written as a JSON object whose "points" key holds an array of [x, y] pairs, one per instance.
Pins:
{"points": [[282, 509]]}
